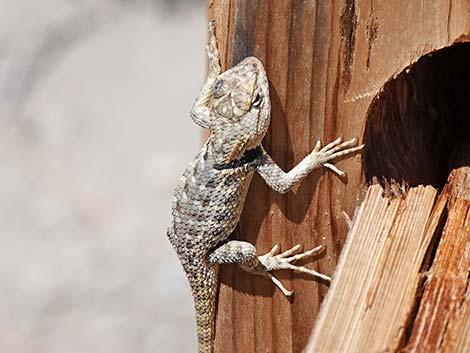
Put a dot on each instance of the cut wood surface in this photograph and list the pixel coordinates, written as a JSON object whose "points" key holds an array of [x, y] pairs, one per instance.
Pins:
{"points": [[377, 302], [443, 320], [442, 312], [327, 62], [373, 292]]}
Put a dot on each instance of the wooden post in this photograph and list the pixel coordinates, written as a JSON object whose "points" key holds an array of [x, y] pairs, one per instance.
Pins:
{"points": [[326, 61]]}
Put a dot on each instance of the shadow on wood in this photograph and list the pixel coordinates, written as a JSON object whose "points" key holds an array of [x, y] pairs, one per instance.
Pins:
{"points": [[415, 124]]}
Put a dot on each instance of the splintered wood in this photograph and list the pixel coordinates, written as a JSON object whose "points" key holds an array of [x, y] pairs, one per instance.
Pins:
{"points": [[443, 302], [383, 298], [373, 291], [443, 320]]}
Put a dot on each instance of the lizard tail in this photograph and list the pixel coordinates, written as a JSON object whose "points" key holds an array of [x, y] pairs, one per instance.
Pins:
{"points": [[204, 289]]}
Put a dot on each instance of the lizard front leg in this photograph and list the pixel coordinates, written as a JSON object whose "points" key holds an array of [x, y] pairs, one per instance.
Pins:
{"points": [[244, 254], [282, 182], [200, 113]]}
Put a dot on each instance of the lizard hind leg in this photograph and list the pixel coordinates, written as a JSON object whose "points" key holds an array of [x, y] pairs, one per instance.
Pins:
{"points": [[244, 254]]}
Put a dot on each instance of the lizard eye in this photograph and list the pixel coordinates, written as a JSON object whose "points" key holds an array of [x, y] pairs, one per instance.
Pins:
{"points": [[258, 100]]}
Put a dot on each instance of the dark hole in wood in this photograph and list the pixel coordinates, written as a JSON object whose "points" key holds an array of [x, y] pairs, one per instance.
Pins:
{"points": [[420, 121]]}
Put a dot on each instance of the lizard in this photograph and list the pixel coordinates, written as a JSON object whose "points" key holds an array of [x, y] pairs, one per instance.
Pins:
{"points": [[208, 200]]}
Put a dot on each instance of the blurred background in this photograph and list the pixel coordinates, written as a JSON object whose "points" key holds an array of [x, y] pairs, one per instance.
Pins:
{"points": [[94, 134]]}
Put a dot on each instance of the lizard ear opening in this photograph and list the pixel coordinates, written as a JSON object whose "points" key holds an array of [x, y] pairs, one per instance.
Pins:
{"points": [[420, 121]]}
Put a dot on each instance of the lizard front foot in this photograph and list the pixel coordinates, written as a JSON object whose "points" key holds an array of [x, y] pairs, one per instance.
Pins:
{"points": [[337, 148], [274, 260], [212, 51]]}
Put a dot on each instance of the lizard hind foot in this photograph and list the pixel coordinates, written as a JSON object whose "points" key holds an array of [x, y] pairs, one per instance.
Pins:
{"points": [[274, 260]]}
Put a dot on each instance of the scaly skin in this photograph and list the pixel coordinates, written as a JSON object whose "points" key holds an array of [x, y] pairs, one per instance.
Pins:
{"points": [[209, 198]]}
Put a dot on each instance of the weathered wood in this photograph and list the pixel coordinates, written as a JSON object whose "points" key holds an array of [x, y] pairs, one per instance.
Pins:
{"points": [[372, 300], [392, 313], [446, 287], [326, 61], [443, 319], [373, 292]]}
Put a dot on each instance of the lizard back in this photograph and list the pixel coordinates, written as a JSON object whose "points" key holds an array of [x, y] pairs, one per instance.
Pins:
{"points": [[208, 202]]}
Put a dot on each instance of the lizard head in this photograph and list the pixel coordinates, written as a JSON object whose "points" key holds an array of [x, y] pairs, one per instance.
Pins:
{"points": [[240, 109]]}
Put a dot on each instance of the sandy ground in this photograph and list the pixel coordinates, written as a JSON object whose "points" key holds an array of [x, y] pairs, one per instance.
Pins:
{"points": [[94, 133]]}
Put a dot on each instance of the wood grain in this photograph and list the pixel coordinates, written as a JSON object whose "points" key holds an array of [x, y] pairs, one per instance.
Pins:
{"points": [[445, 298], [443, 319], [377, 301], [327, 61], [373, 292]]}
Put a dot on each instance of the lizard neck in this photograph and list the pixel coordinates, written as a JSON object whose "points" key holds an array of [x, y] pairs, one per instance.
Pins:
{"points": [[225, 160]]}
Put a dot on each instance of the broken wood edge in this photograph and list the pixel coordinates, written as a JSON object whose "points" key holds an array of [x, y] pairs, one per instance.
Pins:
{"points": [[433, 219], [442, 281], [443, 314]]}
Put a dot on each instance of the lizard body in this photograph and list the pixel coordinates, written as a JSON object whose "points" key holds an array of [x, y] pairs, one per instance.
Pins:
{"points": [[209, 198]]}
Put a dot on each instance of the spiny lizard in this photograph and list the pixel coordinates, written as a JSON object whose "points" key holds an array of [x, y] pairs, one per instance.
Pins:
{"points": [[235, 106]]}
